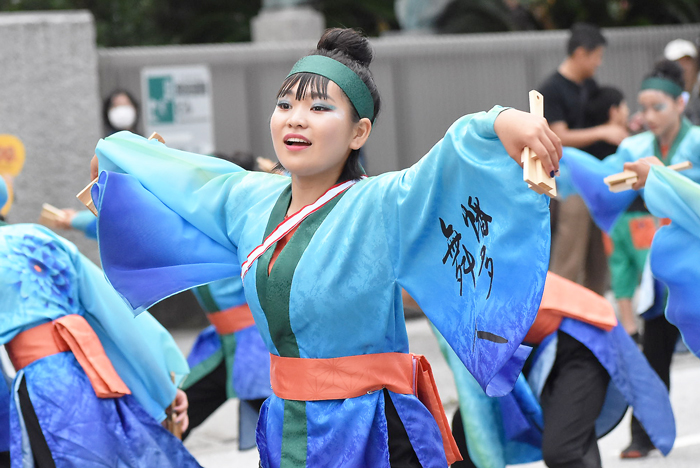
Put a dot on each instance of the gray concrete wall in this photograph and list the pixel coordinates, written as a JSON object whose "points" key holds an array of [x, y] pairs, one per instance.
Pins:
{"points": [[426, 82], [49, 100]]}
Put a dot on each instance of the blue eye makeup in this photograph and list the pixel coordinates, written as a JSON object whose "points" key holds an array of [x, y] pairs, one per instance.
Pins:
{"points": [[283, 104], [659, 107], [322, 106]]}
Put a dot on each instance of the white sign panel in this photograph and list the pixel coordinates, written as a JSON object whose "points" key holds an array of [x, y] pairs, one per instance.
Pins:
{"points": [[177, 105]]}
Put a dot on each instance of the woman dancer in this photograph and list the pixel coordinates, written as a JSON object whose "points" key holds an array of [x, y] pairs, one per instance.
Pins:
{"points": [[92, 382], [459, 231], [672, 139]]}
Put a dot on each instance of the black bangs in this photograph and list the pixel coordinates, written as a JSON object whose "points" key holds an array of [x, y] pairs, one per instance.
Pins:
{"points": [[317, 85]]}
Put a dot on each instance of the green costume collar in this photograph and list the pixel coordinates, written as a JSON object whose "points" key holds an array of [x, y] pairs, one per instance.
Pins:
{"points": [[662, 84], [686, 125], [352, 85]]}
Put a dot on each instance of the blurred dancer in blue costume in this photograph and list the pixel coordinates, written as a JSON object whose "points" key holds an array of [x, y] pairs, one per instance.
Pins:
{"points": [[675, 252], [324, 255], [218, 368], [92, 382], [672, 139], [228, 360], [576, 389]]}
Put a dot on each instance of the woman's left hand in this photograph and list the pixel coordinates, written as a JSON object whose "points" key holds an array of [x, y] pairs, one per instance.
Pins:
{"points": [[517, 130], [180, 408], [642, 167], [94, 168]]}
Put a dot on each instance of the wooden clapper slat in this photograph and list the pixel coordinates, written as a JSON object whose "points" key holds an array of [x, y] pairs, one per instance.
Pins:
{"points": [[626, 179], [174, 427], [86, 198], [50, 216], [533, 171]]}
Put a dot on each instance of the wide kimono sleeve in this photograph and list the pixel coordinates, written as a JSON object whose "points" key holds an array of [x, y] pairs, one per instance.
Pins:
{"points": [[583, 174], [675, 251], [169, 220], [470, 242]]}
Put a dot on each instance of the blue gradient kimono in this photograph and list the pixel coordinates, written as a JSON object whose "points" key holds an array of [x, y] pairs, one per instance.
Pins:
{"points": [[459, 230], [584, 174], [508, 430], [675, 251], [244, 352], [43, 277]]}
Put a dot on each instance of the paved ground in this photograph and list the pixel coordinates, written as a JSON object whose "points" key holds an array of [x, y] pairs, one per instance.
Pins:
{"points": [[214, 443]]}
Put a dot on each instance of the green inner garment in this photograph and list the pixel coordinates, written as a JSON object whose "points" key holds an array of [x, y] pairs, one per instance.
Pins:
{"points": [[273, 293], [682, 132], [227, 351], [207, 300]]}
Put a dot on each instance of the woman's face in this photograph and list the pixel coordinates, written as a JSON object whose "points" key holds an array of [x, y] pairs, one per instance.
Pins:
{"points": [[660, 111], [314, 136], [121, 113]]}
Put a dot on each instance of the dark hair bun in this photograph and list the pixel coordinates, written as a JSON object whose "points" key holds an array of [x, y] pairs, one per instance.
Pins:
{"points": [[669, 70], [348, 42]]}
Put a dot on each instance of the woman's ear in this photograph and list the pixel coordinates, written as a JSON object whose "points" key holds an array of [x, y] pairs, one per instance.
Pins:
{"points": [[362, 130], [680, 103]]}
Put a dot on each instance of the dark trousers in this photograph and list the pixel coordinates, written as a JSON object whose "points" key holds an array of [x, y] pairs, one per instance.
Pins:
{"points": [[571, 402], [658, 343], [40, 449], [461, 439], [207, 395]]}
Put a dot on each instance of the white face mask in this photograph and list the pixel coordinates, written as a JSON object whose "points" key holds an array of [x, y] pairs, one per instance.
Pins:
{"points": [[122, 117]]}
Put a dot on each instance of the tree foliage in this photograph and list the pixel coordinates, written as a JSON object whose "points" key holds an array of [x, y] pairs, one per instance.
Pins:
{"points": [[152, 22]]}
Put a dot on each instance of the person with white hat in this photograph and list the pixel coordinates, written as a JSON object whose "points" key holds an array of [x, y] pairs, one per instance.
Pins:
{"points": [[686, 54]]}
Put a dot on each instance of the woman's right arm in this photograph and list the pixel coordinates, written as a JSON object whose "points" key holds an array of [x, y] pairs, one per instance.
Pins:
{"points": [[194, 186], [169, 220]]}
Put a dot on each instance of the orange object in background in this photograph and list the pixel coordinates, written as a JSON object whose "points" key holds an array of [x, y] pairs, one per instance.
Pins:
{"points": [[563, 298]]}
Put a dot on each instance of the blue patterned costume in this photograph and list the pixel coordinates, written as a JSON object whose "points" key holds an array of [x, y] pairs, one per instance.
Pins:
{"points": [[43, 277]]}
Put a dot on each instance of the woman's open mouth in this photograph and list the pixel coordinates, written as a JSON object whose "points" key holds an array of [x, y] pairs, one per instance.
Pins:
{"points": [[296, 142]]}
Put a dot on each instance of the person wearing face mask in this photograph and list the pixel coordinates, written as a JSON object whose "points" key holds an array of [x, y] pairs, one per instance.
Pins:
{"points": [[120, 112], [672, 139]]}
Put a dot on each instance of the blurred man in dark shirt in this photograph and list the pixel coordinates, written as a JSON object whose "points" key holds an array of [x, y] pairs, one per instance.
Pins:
{"points": [[577, 250]]}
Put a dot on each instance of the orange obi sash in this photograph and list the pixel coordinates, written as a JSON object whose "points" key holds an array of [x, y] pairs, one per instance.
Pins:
{"points": [[352, 376], [69, 333], [231, 320], [564, 298]]}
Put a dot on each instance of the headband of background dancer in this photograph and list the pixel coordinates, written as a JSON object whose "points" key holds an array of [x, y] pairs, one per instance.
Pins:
{"points": [[352, 85], [662, 84]]}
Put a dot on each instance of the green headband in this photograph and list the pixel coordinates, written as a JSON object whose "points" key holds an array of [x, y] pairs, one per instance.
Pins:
{"points": [[352, 85], [662, 84]]}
